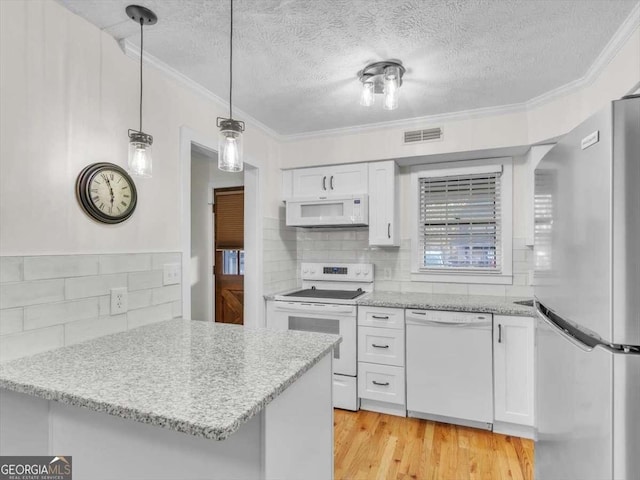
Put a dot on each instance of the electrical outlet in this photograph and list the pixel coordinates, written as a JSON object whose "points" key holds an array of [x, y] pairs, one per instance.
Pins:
{"points": [[119, 300], [386, 274], [171, 273]]}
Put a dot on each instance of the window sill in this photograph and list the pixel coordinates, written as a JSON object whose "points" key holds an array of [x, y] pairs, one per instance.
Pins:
{"points": [[488, 278]]}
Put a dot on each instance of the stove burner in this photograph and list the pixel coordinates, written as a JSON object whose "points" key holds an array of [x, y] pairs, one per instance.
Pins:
{"points": [[335, 294]]}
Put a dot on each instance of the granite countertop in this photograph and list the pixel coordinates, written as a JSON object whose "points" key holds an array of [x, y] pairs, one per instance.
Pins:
{"points": [[200, 378], [456, 303]]}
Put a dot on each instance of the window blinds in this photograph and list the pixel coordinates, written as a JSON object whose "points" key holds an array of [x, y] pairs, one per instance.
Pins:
{"points": [[460, 224], [229, 211]]}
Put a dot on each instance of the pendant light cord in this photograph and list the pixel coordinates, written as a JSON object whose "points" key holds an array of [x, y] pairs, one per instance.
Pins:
{"points": [[141, 50], [231, 61]]}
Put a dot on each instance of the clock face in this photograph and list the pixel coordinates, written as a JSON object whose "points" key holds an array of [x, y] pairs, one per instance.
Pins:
{"points": [[106, 192]]}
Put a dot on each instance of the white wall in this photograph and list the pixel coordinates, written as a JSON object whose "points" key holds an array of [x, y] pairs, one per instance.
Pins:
{"points": [[68, 96], [201, 167]]}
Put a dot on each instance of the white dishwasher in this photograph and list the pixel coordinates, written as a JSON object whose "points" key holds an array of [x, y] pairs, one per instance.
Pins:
{"points": [[450, 367]]}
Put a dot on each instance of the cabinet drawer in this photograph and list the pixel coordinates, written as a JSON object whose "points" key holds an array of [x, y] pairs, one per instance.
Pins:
{"points": [[381, 382], [381, 317], [381, 345]]}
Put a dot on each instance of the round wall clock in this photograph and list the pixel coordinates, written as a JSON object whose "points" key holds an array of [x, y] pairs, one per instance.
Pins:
{"points": [[106, 192]]}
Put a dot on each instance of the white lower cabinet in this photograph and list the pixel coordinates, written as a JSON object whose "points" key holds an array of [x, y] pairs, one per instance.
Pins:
{"points": [[381, 359], [381, 382], [381, 345], [513, 375]]}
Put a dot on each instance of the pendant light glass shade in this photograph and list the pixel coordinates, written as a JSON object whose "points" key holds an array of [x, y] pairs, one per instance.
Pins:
{"points": [[391, 87], [230, 146], [140, 160], [367, 97]]}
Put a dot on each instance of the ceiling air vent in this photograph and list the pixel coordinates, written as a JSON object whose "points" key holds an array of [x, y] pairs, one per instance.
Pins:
{"points": [[426, 135]]}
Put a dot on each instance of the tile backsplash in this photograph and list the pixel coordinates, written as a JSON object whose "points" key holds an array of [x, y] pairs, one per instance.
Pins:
{"points": [[392, 265], [280, 256], [53, 300]]}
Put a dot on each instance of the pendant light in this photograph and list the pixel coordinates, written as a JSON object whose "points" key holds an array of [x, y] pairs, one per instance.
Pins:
{"points": [[230, 135], [140, 161]]}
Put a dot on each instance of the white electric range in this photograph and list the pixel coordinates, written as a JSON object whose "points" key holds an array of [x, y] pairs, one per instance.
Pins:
{"points": [[327, 304]]}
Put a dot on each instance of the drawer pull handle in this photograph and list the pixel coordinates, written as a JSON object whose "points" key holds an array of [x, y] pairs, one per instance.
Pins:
{"points": [[380, 317], [382, 384], [379, 346]]}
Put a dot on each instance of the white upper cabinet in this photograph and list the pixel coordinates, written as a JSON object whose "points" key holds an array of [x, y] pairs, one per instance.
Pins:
{"points": [[335, 180], [513, 364], [384, 208]]}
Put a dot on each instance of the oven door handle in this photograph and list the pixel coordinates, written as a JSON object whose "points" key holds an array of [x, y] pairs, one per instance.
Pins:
{"points": [[313, 307]]}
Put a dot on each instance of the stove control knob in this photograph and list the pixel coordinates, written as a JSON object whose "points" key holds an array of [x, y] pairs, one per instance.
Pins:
{"points": [[306, 270], [358, 272], [366, 273]]}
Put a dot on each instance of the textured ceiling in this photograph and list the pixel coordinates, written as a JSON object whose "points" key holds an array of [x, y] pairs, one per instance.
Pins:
{"points": [[295, 61]]}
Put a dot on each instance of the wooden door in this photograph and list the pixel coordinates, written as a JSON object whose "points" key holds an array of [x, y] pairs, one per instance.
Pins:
{"points": [[228, 211]]}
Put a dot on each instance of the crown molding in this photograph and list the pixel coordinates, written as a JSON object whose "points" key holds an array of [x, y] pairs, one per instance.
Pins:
{"points": [[133, 51], [611, 49]]}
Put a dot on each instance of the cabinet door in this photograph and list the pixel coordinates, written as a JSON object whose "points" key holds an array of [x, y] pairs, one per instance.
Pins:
{"points": [[347, 179], [513, 350], [383, 204], [310, 182]]}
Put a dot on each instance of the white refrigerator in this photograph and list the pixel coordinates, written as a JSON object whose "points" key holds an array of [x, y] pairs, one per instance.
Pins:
{"points": [[587, 297]]}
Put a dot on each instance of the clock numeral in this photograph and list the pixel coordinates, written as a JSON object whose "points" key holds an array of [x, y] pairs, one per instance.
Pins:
{"points": [[118, 209], [119, 180], [123, 204], [125, 187], [111, 175], [101, 207], [110, 208], [97, 182], [95, 199], [125, 196], [94, 190], [104, 177]]}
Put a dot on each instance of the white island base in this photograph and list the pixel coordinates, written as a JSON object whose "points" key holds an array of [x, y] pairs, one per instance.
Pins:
{"points": [[291, 438]]}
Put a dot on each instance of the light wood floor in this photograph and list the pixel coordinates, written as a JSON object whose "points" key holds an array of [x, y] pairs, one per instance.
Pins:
{"points": [[371, 445]]}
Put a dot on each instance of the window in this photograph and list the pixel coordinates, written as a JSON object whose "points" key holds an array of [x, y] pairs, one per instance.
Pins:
{"points": [[463, 222]]}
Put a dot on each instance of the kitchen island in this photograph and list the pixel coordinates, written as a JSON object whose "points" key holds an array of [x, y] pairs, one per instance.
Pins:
{"points": [[179, 399]]}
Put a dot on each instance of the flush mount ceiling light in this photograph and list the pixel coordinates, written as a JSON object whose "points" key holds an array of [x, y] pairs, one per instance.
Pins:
{"points": [[140, 161], [230, 135], [381, 78]]}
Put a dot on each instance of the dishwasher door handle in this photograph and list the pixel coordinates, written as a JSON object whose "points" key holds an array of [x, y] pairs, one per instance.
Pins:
{"points": [[439, 323]]}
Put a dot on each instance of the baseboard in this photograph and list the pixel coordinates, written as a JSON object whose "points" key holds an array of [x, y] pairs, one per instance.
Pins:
{"points": [[514, 430], [383, 407]]}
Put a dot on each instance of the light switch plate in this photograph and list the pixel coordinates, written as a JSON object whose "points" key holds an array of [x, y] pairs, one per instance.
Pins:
{"points": [[119, 301], [171, 273]]}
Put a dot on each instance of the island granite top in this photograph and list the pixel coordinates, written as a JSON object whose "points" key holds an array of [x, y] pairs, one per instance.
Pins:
{"points": [[200, 378], [456, 303]]}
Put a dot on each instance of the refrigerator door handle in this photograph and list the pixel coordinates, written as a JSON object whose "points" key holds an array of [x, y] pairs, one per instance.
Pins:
{"points": [[579, 338], [544, 313]]}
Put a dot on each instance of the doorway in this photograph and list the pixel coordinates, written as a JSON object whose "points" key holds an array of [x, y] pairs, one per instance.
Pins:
{"points": [[228, 226]]}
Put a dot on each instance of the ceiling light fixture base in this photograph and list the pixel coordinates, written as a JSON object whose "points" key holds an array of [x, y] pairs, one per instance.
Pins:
{"points": [[140, 14]]}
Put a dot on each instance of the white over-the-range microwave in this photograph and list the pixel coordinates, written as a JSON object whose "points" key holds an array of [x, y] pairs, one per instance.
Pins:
{"points": [[328, 211]]}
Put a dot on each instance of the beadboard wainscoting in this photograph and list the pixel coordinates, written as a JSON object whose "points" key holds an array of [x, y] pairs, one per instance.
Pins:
{"points": [[393, 268], [49, 301], [281, 270]]}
